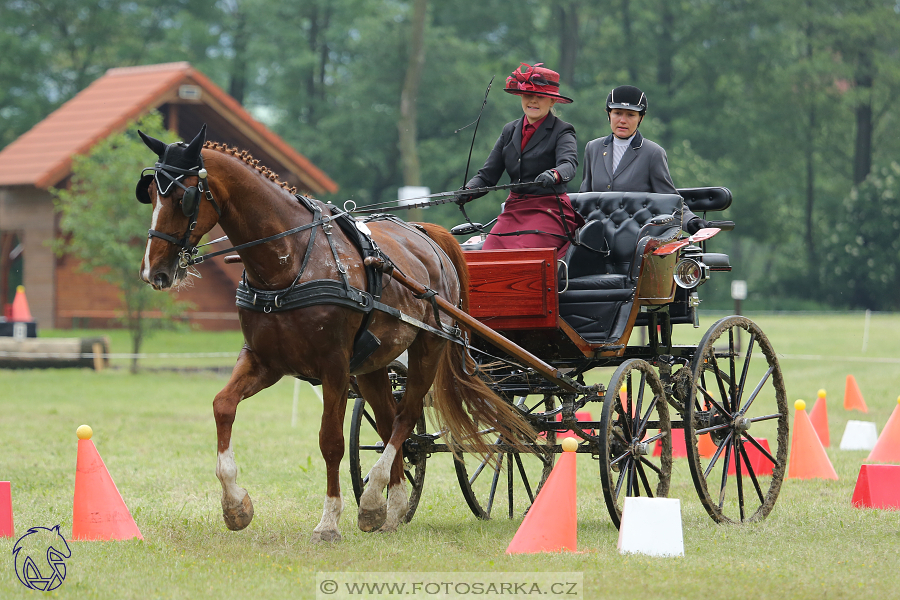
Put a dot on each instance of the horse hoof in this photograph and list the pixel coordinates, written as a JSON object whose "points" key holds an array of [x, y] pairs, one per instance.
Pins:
{"points": [[370, 520], [388, 528], [331, 536], [237, 515]]}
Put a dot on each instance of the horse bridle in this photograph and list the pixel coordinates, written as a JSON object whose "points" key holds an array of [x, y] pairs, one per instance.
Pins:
{"points": [[190, 202]]}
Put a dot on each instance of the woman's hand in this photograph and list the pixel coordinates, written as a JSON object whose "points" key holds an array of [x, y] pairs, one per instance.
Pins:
{"points": [[546, 179], [462, 198]]}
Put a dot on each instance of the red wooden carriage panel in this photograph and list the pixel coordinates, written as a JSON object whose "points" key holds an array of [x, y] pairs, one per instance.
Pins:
{"points": [[513, 289]]}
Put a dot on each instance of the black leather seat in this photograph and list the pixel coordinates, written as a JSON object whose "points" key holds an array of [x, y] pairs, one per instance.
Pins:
{"points": [[603, 268]]}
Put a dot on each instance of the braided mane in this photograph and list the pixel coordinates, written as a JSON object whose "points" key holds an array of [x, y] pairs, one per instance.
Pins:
{"points": [[247, 158]]}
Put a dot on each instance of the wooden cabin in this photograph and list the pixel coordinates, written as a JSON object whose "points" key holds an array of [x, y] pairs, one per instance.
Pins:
{"points": [[61, 296]]}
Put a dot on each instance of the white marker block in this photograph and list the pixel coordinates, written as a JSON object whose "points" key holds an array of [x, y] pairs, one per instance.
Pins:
{"points": [[859, 435], [651, 526]]}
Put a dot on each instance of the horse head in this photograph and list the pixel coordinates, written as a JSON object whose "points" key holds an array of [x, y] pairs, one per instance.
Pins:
{"points": [[175, 189]]}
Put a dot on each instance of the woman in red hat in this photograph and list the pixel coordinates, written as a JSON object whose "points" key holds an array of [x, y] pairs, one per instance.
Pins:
{"points": [[539, 148]]}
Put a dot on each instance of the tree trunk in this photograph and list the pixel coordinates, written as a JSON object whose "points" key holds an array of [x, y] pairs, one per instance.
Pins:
{"points": [[810, 184], [238, 85], [569, 43], [626, 29], [862, 155], [665, 71], [809, 155], [409, 156]]}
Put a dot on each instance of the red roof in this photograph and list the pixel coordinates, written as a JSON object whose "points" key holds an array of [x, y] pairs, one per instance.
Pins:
{"points": [[42, 157]]}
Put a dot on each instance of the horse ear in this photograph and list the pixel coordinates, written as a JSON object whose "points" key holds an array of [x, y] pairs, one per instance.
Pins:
{"points": [[193, 150], [154, 144]]}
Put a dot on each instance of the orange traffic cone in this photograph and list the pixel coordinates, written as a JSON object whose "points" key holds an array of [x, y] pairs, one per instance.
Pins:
{"points": [[808, 457], [20, 310], [551, 524], [853, 399], [98, 512], [818, 416], [6, 517], [679, 449], [705, 446], [887, 448], [878, 486], [580, 415]]}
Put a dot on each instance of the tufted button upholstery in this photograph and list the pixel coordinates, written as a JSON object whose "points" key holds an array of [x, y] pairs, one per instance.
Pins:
{"points": [[601, 287]]}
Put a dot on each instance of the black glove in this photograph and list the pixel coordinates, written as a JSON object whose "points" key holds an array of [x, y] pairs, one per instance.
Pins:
{"points": [[546, 179], [462, 198], [695, 225]]}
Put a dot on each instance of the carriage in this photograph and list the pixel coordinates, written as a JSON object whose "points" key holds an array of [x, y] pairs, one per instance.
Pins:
{"points": [[338, 301], [629, 277]]}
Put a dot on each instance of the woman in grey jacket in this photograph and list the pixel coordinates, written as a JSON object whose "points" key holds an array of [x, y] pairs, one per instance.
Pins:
{"points": [[625, 160]]}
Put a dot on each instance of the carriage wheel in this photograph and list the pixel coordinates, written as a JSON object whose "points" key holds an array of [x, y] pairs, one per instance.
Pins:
{"points": [[738, 398], [364, 440], [629, 429], [520, 475]]}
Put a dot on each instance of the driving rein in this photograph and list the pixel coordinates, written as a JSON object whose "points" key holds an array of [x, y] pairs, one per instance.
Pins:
{"points": [[310, 293]]}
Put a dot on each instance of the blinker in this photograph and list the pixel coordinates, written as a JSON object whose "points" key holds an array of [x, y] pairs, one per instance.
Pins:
{"points": [[142, 189]]}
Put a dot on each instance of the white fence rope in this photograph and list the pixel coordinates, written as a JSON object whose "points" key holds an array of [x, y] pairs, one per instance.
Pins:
{"points": [[76, 355]]}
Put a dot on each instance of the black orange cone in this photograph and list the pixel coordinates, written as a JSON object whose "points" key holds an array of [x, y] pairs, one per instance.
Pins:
{"points": [[20, 310]]}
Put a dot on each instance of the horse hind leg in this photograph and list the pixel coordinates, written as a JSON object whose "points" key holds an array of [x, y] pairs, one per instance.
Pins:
{"points": [[373, 509], [248, 378], [397, 505]]}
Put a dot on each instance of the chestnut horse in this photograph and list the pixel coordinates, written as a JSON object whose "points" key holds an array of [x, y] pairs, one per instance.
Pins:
{"points": [[196, 185]]}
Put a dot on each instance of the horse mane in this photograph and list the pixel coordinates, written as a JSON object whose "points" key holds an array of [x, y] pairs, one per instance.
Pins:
{"points": [[252, 162]]}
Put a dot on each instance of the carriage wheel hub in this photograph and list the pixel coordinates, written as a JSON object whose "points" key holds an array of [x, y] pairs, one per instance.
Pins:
{"points": [[742, 423], [640, 449]]}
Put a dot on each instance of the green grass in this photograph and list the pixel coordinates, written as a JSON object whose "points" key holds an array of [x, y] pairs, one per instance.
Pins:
{"points": [[155, 431]]}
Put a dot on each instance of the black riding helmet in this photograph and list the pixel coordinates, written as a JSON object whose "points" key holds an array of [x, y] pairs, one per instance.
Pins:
{"points": [[627, 97]]}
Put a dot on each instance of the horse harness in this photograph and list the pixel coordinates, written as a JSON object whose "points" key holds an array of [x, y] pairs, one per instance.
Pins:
{"points": [[341, 293], [298, 295], [190, 202]]}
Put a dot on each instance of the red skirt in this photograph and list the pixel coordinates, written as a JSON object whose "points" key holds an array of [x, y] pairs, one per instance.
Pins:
{"points": [[534, 213]]}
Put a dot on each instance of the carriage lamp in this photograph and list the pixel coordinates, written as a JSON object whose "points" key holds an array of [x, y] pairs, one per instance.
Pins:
{"points": [[690, 272]]}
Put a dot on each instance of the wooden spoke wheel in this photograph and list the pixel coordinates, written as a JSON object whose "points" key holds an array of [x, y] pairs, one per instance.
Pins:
{"points": [[507, 480], [366, 445], [738, 400], [631, 424]]}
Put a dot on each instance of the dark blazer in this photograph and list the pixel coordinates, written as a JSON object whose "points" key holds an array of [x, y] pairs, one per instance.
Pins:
{"points": [[643, 168], [552, 146]]}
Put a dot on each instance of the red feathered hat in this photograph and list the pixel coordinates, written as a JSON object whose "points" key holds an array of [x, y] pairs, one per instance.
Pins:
{"points": [[535, 80]]}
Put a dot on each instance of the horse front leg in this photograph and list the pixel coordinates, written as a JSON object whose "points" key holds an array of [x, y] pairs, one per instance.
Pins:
{"points": [[247, 378], [331, 444]]}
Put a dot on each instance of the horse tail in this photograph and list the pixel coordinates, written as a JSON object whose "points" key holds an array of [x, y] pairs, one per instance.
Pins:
{"points": [[464, 404]]}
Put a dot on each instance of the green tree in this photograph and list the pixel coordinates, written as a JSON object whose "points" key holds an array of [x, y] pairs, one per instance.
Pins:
{"points": [[862, 253], [103, 225]]}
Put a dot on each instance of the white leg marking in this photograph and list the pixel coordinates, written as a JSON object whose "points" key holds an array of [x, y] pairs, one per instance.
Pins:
{"points": [[327, 529], [397, 505], [226, 471], [146, 274], [378, 480]]}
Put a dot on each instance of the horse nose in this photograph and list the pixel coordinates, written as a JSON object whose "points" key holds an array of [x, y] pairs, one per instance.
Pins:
{"points": [[161, 281]]}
